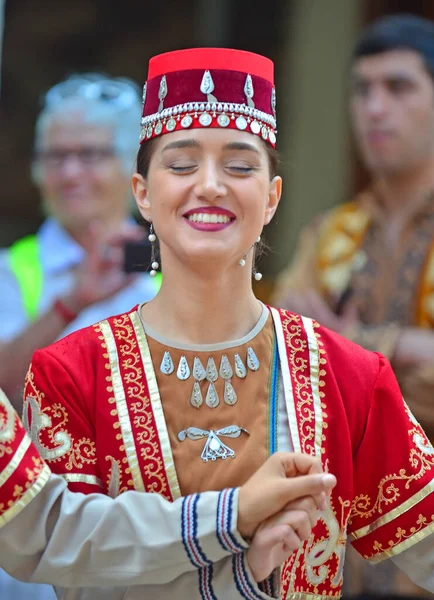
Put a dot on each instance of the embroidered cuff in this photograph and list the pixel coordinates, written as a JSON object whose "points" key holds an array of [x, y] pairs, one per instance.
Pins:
{"points": [[270, 586], [189, 526], [205, 583], [246, 585], [227, 516]]}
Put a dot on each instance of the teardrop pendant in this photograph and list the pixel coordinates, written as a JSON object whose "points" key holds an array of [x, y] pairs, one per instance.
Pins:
{"points": [[211, 370], [226, 371], [183, 372], [199, 372], [240, 368], [167, 367], [252, 359], [196, 398], [212, 400], [230, 395]]}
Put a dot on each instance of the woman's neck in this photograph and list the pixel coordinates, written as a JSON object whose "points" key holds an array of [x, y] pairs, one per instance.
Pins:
{"points": [[194, 309]]}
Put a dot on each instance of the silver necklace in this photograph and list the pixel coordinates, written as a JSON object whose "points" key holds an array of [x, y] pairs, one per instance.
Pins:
{"points": [[214, 447]]}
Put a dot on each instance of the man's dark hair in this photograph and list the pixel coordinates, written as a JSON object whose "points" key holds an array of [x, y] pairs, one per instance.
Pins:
{"points": [[398, 32]]}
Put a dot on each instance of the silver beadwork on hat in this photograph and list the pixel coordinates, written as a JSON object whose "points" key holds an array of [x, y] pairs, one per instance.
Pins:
{"points": [[186, 121], [273, 101], [249, 91], [207, 87], [162, 93], [205, 119], [223, 120], [241, 123], [255, 127], [171, 125]]}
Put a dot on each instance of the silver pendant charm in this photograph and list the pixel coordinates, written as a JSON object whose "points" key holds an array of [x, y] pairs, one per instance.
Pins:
{"points": [[211, 370], [205, 119], [240, 369], [207, 87], [230, 395], [252, 360], [226, 371], [214, 448], [223, 120], [192, 433], [162, 93], [212, 399], [241, 123], [196, 398], [183, 372], [198, 369], [249, 91], [167, 367]]}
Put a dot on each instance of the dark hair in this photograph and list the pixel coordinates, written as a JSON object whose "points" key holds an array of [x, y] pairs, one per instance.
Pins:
{"points": [[398, 32], [146, 151]]}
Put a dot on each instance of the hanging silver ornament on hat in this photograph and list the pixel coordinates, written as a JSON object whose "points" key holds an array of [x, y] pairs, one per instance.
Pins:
{"points": [[249, 91], [162, 93], [207, 87]]}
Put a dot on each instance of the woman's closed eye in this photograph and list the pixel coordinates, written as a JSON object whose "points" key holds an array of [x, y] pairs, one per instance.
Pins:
{"points": [[241, 168], [182, 167]]}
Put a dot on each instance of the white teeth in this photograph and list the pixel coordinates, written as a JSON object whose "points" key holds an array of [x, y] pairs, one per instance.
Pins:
{"points": [[208, 218]]}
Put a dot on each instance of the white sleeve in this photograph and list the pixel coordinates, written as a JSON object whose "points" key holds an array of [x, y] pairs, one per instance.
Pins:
{"points": [[418, 563], [232, 580], [70, 539]]}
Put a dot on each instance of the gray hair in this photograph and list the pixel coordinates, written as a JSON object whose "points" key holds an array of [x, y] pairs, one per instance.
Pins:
{"points": [[101, 101]]}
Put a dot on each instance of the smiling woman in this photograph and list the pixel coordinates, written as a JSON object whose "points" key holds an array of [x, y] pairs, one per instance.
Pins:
{"points": [[196, 389]]}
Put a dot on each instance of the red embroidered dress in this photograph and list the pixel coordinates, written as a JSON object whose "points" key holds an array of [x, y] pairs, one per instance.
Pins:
{"points": [[95, 413]]}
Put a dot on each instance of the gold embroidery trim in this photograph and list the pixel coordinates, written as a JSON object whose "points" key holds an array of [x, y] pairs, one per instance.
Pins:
{"points": [[7, 424], [157, 407], [314, 380], [286, 380], [396, 512], [81, 478], [27, 497], [122, 407], [401, 546], [16, 460]]}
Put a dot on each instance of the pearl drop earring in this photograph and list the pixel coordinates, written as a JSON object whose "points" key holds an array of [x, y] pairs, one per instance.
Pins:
{"points": [[242, 262], [152, 238]]}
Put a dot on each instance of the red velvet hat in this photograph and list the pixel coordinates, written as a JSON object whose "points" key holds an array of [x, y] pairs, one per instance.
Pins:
{"points": [[209, 87]]}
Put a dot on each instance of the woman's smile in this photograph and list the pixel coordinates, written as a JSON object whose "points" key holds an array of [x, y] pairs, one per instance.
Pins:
{"points": [[209, 218]]}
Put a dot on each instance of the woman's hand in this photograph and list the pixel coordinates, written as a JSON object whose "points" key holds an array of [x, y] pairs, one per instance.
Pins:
{"points": [[279, 536], [284, 477]]}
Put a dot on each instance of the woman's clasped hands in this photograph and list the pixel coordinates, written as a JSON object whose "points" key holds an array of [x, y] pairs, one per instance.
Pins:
{"points": [[278, 508]]}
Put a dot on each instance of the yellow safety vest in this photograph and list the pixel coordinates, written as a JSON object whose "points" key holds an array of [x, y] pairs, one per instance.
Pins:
{"points": [[26, 265]]}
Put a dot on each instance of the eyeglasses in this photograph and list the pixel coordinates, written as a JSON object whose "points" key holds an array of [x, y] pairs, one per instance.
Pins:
{"points": [[119, 92], [88, 157]]}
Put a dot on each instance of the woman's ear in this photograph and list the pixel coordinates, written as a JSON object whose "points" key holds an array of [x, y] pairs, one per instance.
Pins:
{"points": [[140, 191], [274, 195]]}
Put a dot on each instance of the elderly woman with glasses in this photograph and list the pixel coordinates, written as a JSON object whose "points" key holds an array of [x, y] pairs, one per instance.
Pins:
{"points": [[70, 274], [187, 397]]}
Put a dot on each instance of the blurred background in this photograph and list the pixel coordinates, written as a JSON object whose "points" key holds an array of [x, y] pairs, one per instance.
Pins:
{"points": [[309, 40]]}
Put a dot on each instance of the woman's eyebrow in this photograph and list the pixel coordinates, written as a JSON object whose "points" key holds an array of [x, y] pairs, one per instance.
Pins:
{"points": [[241, 146], [182, 144]]}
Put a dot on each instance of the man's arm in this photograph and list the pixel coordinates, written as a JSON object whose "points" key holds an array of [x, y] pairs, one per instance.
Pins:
{"points": [[98, 278]]}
